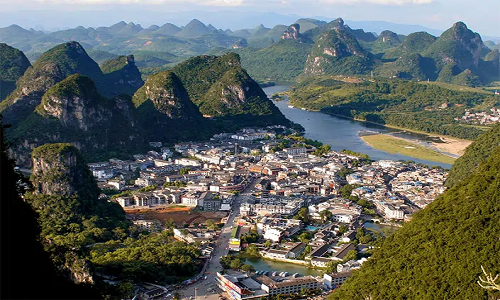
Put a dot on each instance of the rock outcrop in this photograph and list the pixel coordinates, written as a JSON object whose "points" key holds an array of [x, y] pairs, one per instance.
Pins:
{"points": [[169, 97], [75, 102], [292, 33], [337, 52], [50, 68], [458, 45], [59, 169]]}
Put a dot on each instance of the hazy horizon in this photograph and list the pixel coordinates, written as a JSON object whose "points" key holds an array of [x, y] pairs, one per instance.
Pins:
{"points": [[439, 15]]}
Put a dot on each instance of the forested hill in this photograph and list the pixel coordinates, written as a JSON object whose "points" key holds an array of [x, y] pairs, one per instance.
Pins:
{"points": [[281, 53], [426, 107], [476, 153], [439, 254]]}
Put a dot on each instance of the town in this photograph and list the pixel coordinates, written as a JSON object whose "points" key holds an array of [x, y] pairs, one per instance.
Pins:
{"points": [[271, 194], [481, 118]]}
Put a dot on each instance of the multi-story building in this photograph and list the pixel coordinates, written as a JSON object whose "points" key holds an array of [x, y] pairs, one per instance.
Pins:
{"points": [[334, 280], [287, 286]]}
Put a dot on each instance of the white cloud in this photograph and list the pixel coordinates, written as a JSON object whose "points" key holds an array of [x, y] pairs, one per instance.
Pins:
{"points": [[381, 2]]}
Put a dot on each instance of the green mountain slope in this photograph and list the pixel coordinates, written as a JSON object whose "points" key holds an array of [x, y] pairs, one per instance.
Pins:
{"points": [[439, 254], [73, 111], [416, 42], [165, 111], [408, 66], [386, 40], [337, 52], [476, 153], [194, 28], [21, 247], [220, 87], [282, 61], [13, 64], [121, 76], [306, 24], [50, 68]]}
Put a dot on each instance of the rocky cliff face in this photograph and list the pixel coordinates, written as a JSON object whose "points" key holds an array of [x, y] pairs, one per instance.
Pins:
{"points": [[50, 68], [292, 33], [168, 95], [458, 45], [331, 52], [73, 111], [75, 102], [59, 169]]}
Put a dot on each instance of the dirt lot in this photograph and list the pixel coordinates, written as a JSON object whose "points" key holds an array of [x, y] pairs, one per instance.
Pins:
{"points": [[180, 215]]}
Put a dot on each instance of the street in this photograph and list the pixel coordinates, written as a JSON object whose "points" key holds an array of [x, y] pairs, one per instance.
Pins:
{"points": [[219, 251]]}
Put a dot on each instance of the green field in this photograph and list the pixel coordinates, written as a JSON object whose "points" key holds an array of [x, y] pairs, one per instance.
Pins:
{"points": [[393, 145]]}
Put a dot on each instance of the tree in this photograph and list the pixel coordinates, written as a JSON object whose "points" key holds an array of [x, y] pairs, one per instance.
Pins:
{"points": [[304, 237], [331, 267], [351, 255], [267, 243], [184, 171], [211, 224], [325, 215], [236, 263], [252, 250], [343, 229], [225, 261], [177, 296], [247, 268], [303, 214], [169, 223]]}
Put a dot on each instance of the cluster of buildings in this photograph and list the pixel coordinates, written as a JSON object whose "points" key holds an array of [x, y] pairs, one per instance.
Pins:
{"points": [[481, 118], [240, 286], [397, 189]]}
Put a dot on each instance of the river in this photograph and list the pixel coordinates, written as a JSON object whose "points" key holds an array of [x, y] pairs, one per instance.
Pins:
{"points": [[342, 133], [261, 264]]}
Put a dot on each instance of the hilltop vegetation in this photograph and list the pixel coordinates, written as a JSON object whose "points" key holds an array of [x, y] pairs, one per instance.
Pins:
{"points": [[111, 109], [458, 56], [13, 64], [424, 107], [85, 235], [439, 254], [474, 155]]}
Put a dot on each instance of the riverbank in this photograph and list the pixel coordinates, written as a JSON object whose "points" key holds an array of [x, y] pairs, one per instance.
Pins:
{"points": [[392, 144]]}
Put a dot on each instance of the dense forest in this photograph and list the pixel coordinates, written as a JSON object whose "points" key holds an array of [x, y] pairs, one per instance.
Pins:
{"points": [[439, 254], [475, 154], [81, 237]]}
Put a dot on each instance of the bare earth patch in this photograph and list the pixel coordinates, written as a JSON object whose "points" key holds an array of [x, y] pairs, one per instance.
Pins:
{"points": [[453, 146]]}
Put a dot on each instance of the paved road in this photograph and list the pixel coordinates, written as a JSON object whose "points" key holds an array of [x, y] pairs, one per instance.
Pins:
{"points": [[220, 250]]}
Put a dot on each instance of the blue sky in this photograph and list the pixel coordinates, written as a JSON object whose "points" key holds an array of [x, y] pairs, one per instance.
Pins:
{"points": [[482, 16]]}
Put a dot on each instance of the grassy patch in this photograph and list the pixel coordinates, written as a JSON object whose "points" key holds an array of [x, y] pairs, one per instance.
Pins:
{"points": [[393, 145], [456, 87]]}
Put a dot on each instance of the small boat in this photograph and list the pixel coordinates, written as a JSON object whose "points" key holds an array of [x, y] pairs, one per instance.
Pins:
{"points": [[303, 109], [291, 106]]}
